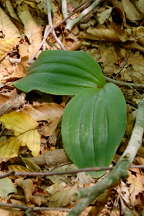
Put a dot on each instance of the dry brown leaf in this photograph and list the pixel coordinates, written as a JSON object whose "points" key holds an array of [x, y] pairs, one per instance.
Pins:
{"points": [[32, 30], [10, 34], [53, 213], [106, 34], [9, 70], [11, 101], [109, 58], [136, 188], [139, 32], [135, 72], [11, 10], [10, 212], [44, 111], [140, 5], [61, 195], [131, 12], [27, 186], [104, 15], [50, 112]]}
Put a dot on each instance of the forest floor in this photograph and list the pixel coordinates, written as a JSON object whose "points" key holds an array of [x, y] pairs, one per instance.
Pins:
{"points": [[113, 33]]}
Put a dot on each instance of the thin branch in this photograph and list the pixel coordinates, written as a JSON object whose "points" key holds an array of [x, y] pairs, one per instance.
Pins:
{"points": [[119, 171], [49, 9], [15, 173], [38, 174], [23, 207], [72, 22], [136, 85], [137, 134], [64, 8]]}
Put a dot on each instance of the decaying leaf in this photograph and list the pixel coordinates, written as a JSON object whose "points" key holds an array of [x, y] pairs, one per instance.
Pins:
{"points": [[131, 193], [131, 12], [18, 168], [61, 195], [9, 148], [32, 30], [24, 129], [104, 34], [136, 187], [140, 5], [104, 15], [11, 101], [10, 34], [11, 10], [44, 111], [6, 187], [50, 112], [27, 186]]}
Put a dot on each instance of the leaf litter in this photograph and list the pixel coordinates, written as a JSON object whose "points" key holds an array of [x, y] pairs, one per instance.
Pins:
{"points": [[114, 35]]}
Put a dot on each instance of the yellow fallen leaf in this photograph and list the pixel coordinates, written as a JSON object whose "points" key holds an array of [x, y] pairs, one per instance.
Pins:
{"points": [[9, 148], [18, 168], [24, 129], [19, 122], [31, 139]]}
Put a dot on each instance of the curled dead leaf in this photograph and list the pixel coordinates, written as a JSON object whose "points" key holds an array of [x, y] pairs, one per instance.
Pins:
{"points": [[104, 34]]}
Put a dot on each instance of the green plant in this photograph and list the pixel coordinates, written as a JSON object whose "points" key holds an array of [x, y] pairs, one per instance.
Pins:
{"points": [[94, 120]]}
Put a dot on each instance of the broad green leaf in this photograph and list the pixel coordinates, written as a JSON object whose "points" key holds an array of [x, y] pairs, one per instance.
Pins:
{"points": [[63, 73], [93, 125]]}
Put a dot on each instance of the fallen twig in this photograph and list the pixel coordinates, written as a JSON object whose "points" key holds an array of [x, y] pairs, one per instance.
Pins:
{"points": [[49, 9], [135, 85], [64, 8], [40, 174], [72, 22], [23, 207]]}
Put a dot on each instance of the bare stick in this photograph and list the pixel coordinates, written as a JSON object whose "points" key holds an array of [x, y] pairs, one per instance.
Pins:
{"points": [[72, 22], [40, 174], [137, 134], [51, 24], [64, 8], [136, 85], [23, 207], [119, 171]]}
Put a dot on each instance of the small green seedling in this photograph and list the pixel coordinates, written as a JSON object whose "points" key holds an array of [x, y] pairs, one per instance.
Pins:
{"points": [[94, 120]]}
